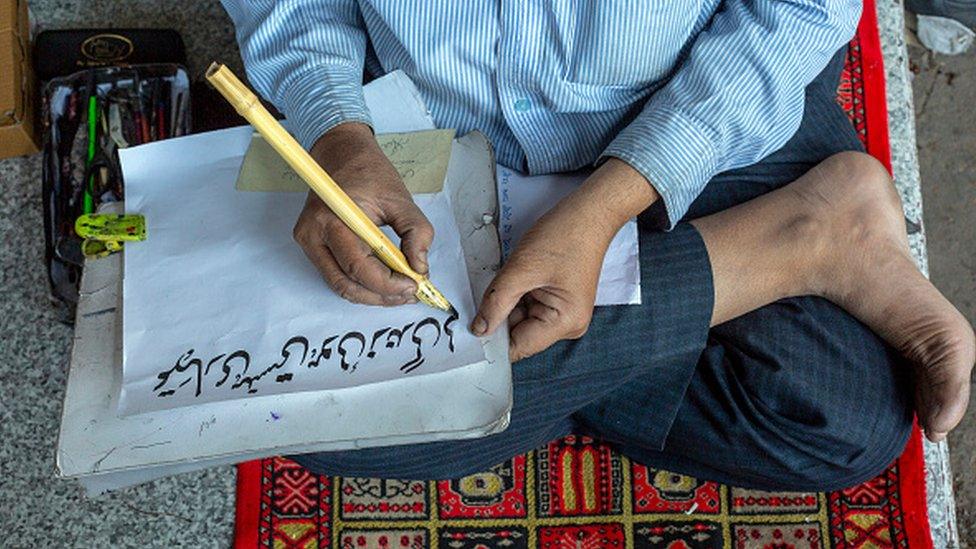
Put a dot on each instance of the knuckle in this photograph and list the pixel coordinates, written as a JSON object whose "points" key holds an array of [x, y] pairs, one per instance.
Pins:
{"points": [[578, 328], [577, 333], [357, 268], [491, 295], [492, 300], [300, 232], [424, 229], [337, 284], [314, 208], [347, 291], [343, 293], [329, 223], [520, 351], [392, 300], [549, 314], [516, 351]]}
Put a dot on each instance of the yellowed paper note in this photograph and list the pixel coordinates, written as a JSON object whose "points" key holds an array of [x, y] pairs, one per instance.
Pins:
{"points": [[419, 157]]}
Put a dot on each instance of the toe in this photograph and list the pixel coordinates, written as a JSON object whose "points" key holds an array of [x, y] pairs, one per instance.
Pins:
{"points": [[945, 408], [943, 390], [940, 413]]}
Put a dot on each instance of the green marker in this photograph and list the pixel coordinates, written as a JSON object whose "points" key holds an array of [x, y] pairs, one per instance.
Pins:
{"points": [[89, 202]]}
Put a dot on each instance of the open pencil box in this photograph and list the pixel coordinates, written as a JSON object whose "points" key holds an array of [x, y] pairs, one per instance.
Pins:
{"points": [[87, 117]]}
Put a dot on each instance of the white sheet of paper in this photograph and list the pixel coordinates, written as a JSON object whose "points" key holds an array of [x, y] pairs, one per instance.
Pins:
{"points": [[221, 298], [523, 199]]}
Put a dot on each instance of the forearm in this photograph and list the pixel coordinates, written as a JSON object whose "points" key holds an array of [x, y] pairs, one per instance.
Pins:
{"points": [[736, 98], [306, 57]]}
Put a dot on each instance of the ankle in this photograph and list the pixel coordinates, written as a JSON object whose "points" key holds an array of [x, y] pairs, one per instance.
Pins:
{"points": [[807, 229], [855, 213]]}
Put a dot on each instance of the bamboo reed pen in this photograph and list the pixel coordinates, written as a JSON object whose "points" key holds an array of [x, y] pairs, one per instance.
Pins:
{"points": [[247, 104]]}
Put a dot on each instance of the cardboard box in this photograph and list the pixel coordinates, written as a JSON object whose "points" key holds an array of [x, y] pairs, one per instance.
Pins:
{"points": [[18, 130]]}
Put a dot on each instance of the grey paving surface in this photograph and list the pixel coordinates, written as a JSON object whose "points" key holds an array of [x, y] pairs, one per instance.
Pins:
{"points": [[901, 122], [36, 510], [194, 509], [945, 94], [39, 510]]}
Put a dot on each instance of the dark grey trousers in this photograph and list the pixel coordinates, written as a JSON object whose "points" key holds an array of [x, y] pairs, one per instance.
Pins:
{"points": [[797, 395]]}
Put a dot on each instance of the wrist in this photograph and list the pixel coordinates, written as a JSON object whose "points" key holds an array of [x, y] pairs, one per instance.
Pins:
{"points": [[345, 143], [344, 136], [619, 191]]}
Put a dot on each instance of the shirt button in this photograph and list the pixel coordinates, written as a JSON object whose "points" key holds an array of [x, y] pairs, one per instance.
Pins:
{"points": [[522, 105]]}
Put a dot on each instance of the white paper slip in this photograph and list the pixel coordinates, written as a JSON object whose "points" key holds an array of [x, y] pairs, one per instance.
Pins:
{"points": [[395, 104], [523, 199], [221, 304]]}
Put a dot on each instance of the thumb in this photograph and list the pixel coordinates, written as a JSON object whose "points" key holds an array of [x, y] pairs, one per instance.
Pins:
{"points": [[509, 285], [415, 232]]}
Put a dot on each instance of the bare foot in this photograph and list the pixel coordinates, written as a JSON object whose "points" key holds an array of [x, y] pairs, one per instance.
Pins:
{"points": [[871, 275]]}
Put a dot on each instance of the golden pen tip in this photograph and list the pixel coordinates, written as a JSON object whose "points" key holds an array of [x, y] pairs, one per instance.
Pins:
{"points": [[429, 295]]}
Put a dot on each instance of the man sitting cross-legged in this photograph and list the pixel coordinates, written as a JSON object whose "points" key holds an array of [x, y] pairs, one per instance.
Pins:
{"points": [[785, 336]]}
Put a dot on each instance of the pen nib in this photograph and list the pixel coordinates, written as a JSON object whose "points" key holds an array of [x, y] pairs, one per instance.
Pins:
{"points": [[429, 295]]}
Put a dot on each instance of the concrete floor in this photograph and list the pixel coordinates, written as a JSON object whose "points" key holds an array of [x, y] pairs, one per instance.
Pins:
{"points": [[38, 510], [197, 509], [945, 94]]}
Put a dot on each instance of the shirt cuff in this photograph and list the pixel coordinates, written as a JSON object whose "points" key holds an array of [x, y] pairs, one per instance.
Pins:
{"points": [[677, 154], [320, 99]]}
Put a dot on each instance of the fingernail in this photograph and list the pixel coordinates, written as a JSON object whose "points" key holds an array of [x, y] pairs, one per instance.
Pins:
{"points": [[479, 326], [423, 261], [937, 437]]}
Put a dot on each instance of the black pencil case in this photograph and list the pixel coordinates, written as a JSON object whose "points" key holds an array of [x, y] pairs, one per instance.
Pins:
{"points": [[132, 105], [64, 52]]}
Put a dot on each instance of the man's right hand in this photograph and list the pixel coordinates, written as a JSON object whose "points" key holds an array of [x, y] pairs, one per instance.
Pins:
{"points": [[350, 154]]}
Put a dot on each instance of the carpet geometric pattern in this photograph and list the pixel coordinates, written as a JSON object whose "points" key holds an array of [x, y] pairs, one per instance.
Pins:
{"points": [[573, 493]]}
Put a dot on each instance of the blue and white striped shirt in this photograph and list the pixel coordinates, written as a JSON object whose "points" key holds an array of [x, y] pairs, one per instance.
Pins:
{"points": [[681, 90]]}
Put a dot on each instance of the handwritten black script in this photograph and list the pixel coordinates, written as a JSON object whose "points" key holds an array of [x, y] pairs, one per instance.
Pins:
{"points": [[346, 352]]}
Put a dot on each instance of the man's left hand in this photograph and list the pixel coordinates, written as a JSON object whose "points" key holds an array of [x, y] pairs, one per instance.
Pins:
{"points": [[547, 287]]}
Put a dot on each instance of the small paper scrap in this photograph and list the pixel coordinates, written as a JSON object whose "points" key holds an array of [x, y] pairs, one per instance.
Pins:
{"points": [[419, 157]]}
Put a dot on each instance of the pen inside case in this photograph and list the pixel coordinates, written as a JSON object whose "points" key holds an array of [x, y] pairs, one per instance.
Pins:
{"points": [[87, 117]]}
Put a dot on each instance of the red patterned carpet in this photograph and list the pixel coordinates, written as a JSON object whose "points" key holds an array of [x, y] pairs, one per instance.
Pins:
{"points": [[578, 494]]}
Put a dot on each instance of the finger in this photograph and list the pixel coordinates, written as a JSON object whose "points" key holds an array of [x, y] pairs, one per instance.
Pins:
{"points": [[415, 232], [358, 263], [504, 292], [341, 284], [517, 315], [536, 333]]}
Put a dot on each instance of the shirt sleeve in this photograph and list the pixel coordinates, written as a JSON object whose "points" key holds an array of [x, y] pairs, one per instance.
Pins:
{"points": [[306, 57], [737, 97]]}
